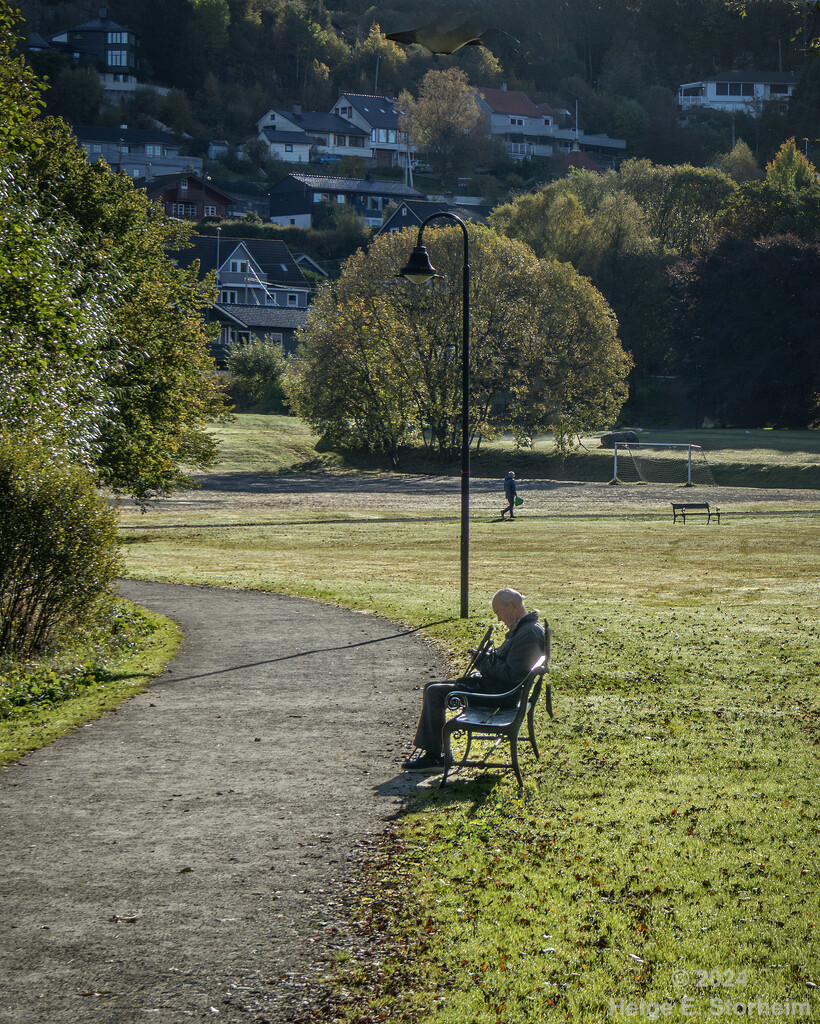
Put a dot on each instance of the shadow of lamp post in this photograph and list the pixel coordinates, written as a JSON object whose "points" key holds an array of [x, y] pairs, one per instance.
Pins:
{"points": [[418, 271]]}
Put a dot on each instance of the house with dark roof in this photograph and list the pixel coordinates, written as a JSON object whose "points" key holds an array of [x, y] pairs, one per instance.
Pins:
{"points": [[378, 117], [188, 196], [298, 136], [104, 45], [411, 213], [137, 152], [295, 199], [743, 92], [261, 290]]}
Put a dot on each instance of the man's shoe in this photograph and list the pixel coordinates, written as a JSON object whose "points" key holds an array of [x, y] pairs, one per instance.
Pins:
{"points": [[425, 763]]}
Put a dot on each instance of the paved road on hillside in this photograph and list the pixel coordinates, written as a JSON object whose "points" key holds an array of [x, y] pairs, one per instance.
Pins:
{"points": [[188, 853]]}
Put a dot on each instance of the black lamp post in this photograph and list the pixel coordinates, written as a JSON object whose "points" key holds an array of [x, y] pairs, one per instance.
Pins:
{"points": [[418, 270]]}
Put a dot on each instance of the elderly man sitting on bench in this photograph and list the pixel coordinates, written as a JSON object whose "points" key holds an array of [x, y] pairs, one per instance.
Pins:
{"points": [[498, 671]]}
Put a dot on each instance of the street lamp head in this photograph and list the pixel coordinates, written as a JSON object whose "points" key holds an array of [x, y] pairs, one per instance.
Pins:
{"points": [[419, 268]]}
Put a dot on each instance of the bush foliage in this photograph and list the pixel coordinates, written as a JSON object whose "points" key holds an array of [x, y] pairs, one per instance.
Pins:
{"points": [[257, 369], [58, 539]]}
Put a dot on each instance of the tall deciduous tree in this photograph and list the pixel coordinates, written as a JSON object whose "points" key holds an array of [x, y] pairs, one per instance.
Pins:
{"points": [[746, 324], [442, 120], [102, 338], [379, 361]]}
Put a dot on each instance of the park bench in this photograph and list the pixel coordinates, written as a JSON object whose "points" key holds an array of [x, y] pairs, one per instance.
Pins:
{"points": [[497, 717], [682, 509]]}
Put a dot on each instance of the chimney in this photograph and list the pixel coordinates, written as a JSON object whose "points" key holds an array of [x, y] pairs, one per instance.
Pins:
{"points": [[297, 108], [103, 13]]}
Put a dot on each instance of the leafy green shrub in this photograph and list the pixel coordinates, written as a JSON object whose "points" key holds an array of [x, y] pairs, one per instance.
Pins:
{"points": [[59, 547], [257, 369]]}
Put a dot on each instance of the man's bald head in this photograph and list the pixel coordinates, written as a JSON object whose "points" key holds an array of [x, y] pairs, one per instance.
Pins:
{"points": [[508, 606]]}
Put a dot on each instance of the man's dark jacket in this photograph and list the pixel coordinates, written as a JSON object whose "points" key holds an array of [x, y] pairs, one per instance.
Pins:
{"points": [[506, 667]]}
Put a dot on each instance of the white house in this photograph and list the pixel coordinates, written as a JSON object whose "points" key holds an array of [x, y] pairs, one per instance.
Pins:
{"points": [[526, 127], [531, 129], [739, 91], [378, 117], [296, 136]]}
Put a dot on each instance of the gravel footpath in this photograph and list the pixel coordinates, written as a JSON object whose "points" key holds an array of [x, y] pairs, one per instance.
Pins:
{"points": [[186, 857]]}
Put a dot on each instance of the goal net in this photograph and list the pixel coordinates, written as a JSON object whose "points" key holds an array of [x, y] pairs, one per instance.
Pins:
{"points": [[677, 464]]}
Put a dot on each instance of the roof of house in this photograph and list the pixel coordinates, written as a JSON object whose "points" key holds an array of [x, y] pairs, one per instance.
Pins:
{"points": [[563, 162], [294, 138], [426, 208], [134, 136], [773, 77], [271, 256], [326, 183], [378, 111], [153, 186], [316, 121], [274, 317], [509, 101], [98, 25]]}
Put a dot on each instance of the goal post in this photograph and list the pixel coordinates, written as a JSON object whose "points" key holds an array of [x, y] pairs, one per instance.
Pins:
{"points": [[683, 465]]}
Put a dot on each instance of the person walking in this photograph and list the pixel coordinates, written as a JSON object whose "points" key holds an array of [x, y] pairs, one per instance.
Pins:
{"points": [[510, 493]]}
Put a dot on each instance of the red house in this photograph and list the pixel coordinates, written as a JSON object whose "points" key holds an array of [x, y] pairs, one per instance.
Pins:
{"points": [[188, 196]]}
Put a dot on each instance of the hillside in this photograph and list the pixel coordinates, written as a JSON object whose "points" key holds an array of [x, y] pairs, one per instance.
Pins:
{"points": [[620, 61]]}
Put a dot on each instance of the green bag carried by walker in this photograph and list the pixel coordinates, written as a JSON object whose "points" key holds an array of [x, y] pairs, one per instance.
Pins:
{"points": [[519, 501]]}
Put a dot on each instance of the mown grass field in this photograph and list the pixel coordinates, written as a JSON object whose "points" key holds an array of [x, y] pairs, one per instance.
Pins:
{"points": [[738, 458], [666, 845]]}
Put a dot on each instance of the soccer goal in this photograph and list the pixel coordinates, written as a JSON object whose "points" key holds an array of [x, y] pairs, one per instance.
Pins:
{"points": [[681, 464]]}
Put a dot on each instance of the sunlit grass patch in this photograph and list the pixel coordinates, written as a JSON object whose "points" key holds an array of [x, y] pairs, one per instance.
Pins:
{"points": [[670, 825], [77, 686]]}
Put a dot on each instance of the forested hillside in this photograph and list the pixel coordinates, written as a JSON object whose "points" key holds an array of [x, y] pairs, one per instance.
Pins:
{"points": [[620, 61]]}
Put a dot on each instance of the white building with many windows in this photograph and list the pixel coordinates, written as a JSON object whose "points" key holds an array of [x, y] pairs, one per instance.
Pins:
{"points": [[742, 92]]}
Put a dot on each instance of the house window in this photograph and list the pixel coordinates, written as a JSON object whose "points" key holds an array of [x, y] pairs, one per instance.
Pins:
{"points": [[288, 147], [780, 90], [340, 197], [239, 266], [382, 135], [118, 58], [209, 211], [228, 297], [183, 185], [374, 135], [391, 134], [117, 37], [339, 140], [185, 210], [277, 337], [356, 142], [721, 88], [154, 150], [517, 120], [292, 221], [96, 147], [293, 299]]}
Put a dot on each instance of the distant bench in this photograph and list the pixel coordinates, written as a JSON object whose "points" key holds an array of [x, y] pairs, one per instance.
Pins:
{"points": [[680, 510]]}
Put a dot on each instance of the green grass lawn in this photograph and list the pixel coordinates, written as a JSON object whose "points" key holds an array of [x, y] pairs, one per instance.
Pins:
{"points": [[738, 458], [110, 669], [671, 824]]}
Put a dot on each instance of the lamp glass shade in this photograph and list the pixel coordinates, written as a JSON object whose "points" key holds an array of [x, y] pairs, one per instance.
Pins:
{"points": [[419, 268]]}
